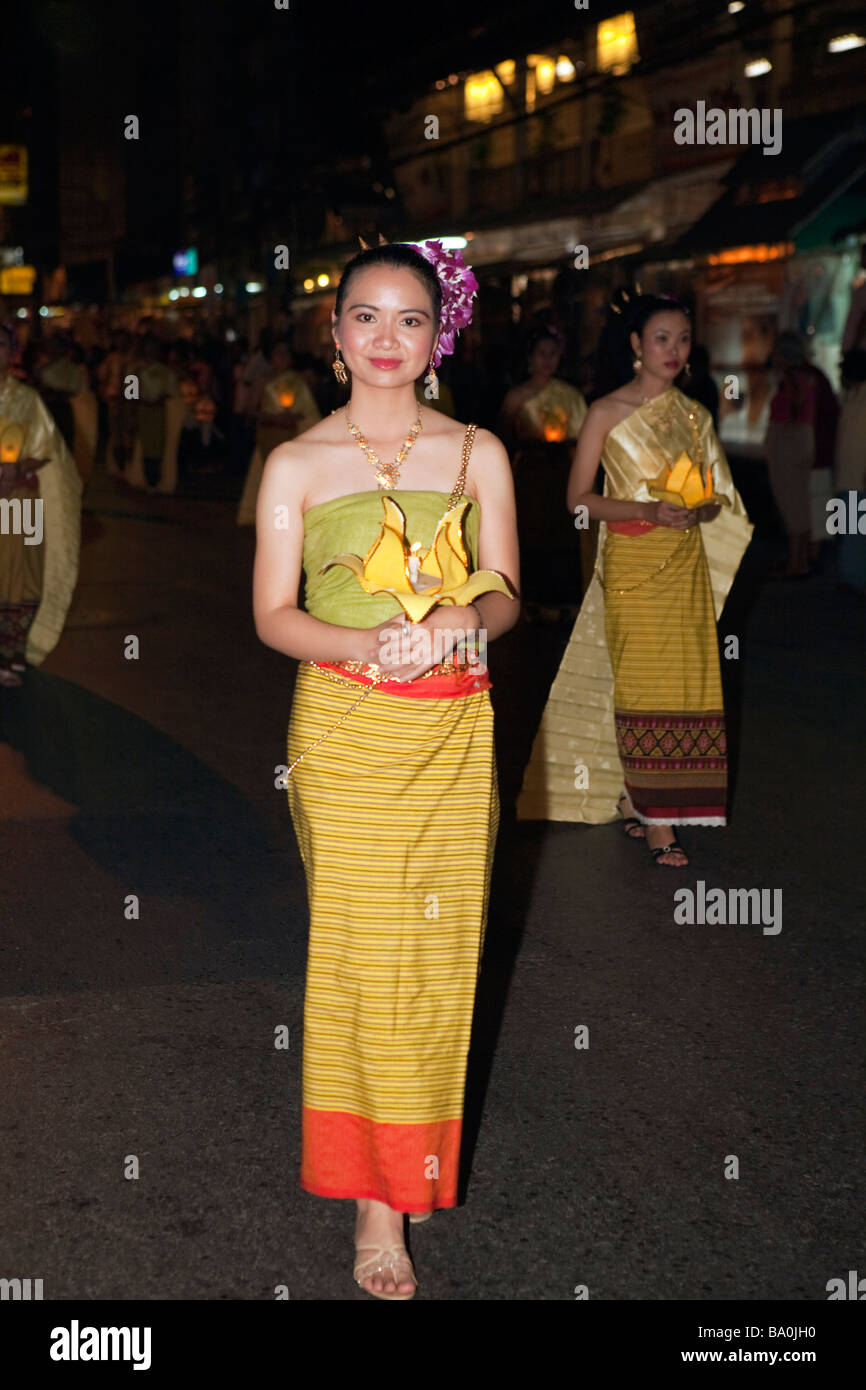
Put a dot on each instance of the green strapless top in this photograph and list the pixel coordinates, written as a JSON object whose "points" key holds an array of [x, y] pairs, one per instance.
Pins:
{"points": [[350, 525]]}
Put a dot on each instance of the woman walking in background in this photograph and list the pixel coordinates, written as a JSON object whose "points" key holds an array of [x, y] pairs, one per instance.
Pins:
{"points": [[392, 778], [800, 439], [539, 422], [635, 719]]}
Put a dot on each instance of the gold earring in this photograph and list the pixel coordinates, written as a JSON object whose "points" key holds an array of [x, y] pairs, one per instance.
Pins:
{"points": [[687, 369], [431, 382], [637, 364], [339, 367]]}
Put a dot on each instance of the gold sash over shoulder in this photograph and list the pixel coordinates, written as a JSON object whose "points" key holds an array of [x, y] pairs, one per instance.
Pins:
{"points": [[574, 772]]}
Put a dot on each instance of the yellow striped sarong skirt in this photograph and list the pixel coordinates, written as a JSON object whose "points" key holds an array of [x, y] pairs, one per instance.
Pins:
{"points": [[668, 708], [396, 814]]}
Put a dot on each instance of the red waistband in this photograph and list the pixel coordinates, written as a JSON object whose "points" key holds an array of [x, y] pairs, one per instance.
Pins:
{"points": [[630, 528], [437, 685]]}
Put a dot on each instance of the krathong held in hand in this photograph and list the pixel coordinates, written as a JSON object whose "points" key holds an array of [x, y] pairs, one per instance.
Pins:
{"points": [[419, 579], [682, 485]]}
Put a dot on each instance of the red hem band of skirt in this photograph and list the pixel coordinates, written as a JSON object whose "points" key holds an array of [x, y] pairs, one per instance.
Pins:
{"points": [[346, 1155]]}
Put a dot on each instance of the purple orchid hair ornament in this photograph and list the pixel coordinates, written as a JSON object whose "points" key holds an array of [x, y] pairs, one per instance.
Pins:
{"points": [[459, 288]]}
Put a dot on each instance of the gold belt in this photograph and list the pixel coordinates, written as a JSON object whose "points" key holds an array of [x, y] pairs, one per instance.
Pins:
{"points": [[372, 672]]}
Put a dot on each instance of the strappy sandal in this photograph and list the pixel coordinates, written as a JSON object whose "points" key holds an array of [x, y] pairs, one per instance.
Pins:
{"points": [[667, 849], [628, 822], [392, 1262]]}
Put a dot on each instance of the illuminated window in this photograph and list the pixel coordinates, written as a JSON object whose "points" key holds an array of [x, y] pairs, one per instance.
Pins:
{"points": [[545, 71], [540, 77], [843, 42], [506, 72], [482, 96], [616, 44]]}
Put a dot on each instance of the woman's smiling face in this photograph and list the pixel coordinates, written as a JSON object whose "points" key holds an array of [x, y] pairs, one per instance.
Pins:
{"points": [[386, 330]]}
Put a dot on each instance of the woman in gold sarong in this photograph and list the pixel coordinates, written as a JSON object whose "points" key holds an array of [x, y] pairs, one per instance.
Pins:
{"points": [[635, 717], [540, 422], [40, 524], [284, 407], [392, 779]]}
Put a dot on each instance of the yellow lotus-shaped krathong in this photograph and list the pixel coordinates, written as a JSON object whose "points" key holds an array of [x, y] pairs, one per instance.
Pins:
{"points": [[683, 486], [421, 579]]}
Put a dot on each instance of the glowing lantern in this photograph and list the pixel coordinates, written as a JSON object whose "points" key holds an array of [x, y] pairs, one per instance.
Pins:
{"points": [[555, 426], [287, 399], [11, 444]]}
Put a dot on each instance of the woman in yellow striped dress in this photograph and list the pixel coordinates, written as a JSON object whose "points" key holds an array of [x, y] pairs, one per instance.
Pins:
{"points": [[392, 780], [635, 718]]}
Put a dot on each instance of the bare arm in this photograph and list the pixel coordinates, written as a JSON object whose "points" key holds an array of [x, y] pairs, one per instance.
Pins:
{"points": [[599, 421], [279, 621], [498, 546]]}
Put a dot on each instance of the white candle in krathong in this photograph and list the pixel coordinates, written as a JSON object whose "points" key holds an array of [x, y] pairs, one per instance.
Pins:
{"points": [[414, 565]]}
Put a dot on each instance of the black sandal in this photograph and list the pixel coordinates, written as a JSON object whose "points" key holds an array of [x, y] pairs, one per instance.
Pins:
{"points": [[629, 821], [666, 849]]}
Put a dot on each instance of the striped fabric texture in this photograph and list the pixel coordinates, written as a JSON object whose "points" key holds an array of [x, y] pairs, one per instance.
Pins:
{"points": [[668, 709], [396, 814]]}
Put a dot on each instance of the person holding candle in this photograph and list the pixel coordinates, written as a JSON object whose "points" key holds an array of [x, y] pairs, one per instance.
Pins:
{"points": [[540, 421], [38, 571], [635, 719], [388, 507], [284, 407]]}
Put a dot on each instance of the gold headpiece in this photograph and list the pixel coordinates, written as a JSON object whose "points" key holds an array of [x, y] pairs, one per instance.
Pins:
{"points": [[366, 247]]}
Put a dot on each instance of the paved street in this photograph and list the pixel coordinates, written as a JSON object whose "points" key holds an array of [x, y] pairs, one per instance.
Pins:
{"points": [[601, 1166]]}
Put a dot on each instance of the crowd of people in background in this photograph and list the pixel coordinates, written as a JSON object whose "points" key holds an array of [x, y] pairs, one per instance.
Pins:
{"points": [[162, 411]]}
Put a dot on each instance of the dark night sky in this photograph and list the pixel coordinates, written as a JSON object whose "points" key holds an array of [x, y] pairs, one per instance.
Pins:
{"points": [[336, 67]]}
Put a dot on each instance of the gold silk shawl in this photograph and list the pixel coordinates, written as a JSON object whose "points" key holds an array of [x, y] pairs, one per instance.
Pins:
{"points": [[553, 414], [60, 488], [574, 772]]}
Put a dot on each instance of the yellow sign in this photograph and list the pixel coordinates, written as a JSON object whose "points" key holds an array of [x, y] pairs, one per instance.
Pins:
{"points": [[17, 279], [13, 174]]}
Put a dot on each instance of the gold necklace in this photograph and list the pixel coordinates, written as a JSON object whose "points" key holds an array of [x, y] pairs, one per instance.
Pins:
{"points": [[387, 474]]}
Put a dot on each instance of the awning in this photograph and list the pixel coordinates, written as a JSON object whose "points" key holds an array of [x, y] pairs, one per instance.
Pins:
{"points": [[808, 195]]}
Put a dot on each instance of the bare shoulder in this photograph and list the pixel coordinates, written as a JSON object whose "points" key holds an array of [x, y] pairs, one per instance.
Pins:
{"points": [[305, 449], [489, 458], [434, 422], [608, 407], [487, 445]]}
